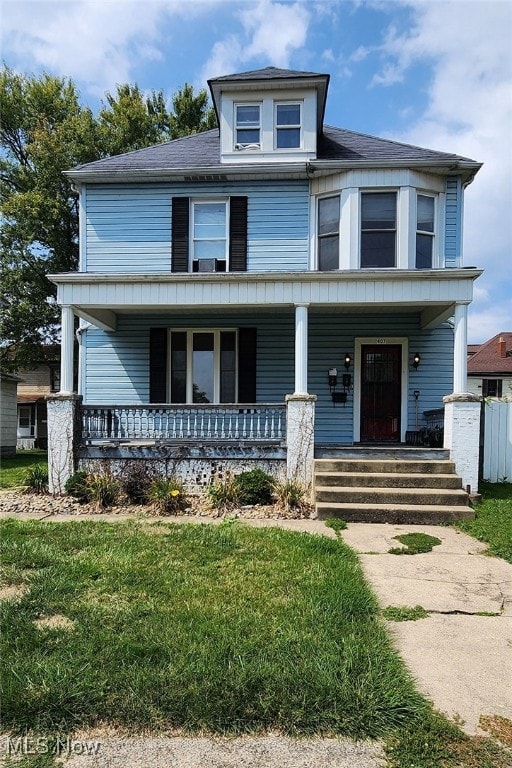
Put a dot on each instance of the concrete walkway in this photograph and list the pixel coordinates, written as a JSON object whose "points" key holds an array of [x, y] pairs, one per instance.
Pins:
{"points": [[461, 654]]}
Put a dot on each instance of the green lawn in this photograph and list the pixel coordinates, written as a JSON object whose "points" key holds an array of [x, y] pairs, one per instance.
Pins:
{"points": [[493, 519], [224, 628], [207, 628], [12, 470]]}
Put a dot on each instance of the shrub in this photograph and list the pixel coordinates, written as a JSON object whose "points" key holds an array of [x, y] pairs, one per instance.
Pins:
{"points": [[36, 479], [136, 483], [168, 495], [77, 486], [103, 489], [223, 493], [254, 487], [289, 495]]}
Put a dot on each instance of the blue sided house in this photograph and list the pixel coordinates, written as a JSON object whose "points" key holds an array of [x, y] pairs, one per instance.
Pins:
{"points": [[276, 290]]}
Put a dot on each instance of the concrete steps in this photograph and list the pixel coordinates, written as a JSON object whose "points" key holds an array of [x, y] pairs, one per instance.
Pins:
{"points": [[389, 489]]}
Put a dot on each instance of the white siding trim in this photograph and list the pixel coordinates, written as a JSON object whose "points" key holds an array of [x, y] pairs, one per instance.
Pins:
{"points": [[82, 228]]}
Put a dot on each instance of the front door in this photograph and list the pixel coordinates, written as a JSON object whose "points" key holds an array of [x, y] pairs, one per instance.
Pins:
{"points": [[380, 393]]}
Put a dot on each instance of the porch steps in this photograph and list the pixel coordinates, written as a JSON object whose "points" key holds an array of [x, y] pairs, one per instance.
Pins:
{"points": [[390, 490]]}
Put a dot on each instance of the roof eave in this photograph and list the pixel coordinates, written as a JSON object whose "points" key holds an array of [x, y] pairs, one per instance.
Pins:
{"points": [[301, 169]]}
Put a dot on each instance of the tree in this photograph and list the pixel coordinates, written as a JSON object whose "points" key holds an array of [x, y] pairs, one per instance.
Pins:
{"points": [[45, 131], [191, 114]]}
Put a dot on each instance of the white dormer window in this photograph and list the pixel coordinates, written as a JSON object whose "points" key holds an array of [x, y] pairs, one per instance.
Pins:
{"points": [[287, 126], [248, 126]]}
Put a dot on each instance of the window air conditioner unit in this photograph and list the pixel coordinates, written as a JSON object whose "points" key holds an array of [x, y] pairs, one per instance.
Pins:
{"points": [[248, 146]]}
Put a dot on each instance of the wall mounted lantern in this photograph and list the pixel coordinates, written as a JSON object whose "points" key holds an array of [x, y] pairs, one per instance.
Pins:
{"points": [[348, 360], [416, 360]]}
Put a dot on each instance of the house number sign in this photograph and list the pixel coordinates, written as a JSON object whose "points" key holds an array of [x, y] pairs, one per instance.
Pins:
{"points": [[382, 341]]}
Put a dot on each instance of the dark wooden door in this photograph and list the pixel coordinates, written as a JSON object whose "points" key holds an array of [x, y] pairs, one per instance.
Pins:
{"points": [[381, 393]]}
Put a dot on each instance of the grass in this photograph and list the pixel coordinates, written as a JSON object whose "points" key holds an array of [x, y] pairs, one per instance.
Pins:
{"points": [[404, 613], [210, 629], [414, 544], [13, 469], [225, 629], [493, 519]]}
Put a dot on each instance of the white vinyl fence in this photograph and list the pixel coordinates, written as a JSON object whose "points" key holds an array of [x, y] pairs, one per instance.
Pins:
{"points": [[497, 445]]}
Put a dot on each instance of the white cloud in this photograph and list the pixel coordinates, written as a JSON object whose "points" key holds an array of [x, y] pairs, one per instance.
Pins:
{"points": [[469, 112], [271, 33], [95, 42]]}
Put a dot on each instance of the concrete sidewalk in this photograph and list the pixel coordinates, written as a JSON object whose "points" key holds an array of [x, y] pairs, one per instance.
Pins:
{"points": [[461, 654]]}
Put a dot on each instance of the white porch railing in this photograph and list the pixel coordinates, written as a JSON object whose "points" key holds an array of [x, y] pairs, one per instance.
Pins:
{"points": [[261, 422]]}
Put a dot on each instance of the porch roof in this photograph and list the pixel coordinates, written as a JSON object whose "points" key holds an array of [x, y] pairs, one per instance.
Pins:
{"points": [[100, 297]]}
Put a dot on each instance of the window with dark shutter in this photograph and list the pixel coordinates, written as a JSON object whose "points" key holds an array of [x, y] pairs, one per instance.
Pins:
{"points": [[158, 365], [180, 234], [238, 234], [247, 365]]}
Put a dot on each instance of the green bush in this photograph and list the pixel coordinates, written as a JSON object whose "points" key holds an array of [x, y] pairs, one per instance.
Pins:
{"points": [[36, 479], [78, 487], [223, 493], [103, 489], [168, 495], [254, 487], [136, 482]]}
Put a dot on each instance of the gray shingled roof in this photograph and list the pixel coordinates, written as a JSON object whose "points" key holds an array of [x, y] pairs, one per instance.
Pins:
{"points": [[268, 73], [202, 150]]}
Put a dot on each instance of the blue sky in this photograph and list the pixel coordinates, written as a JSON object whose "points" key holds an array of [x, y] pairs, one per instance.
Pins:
{"points": [[437, 73]]}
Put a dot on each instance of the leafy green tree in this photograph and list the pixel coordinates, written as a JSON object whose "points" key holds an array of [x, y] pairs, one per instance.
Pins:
{"points": [[45, 131], [191, 113]]}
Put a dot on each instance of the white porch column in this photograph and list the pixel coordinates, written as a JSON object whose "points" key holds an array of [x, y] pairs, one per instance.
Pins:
{"points": [[67, 348], [460, 350], [301, 349]]}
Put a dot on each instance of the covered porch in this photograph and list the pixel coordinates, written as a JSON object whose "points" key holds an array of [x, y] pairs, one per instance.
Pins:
{"points": [[307, 301]]}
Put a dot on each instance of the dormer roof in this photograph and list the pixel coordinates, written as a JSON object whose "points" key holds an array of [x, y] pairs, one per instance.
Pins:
{"points": [[261, 79]]}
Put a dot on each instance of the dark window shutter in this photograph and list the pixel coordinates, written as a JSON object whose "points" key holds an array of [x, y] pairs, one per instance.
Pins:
{"points": [[247, 365], [238, 234], [157, 365], [180, 234]]}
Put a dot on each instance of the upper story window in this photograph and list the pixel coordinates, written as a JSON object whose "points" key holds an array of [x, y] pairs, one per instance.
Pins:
{"points": [[328, 232], [248, 126], [209, 236], [378, 229], [425, 208], [287, 126]]}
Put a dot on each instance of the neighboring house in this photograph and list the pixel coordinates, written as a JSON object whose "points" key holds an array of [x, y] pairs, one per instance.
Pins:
{"points": [[35, 385], [8, 384], [273, 264], [490, 367]]}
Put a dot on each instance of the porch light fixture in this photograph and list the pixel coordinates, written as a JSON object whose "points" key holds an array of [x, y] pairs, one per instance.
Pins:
{"points": [[348, 360], [416, 360]]}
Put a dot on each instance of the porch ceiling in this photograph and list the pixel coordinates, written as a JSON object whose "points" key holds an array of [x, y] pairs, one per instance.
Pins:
{"points": [[99, 298]]}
